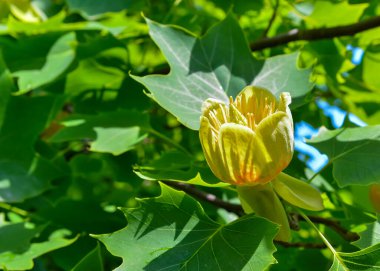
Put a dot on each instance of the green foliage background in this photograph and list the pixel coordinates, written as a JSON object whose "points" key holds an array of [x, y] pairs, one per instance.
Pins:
{"points": [[100, 100]]}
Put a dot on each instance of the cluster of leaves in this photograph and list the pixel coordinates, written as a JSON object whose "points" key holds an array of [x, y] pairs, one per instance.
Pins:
{"points": [[82, 146]]}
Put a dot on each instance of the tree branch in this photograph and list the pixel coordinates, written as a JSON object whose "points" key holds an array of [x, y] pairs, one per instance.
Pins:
{"points": [[316, 34], [237, 209], [210, 198], [301, 244], [334, 225]]}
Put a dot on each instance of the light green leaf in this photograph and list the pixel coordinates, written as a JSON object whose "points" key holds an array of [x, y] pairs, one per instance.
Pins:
{"points": [[366, 259], [297, 192], [24, 260], [172, 232], [263, 201], [218, 65], [353, 152], [78, 127], [58, 60], [116, 140], [281, 74], [369, 237]]}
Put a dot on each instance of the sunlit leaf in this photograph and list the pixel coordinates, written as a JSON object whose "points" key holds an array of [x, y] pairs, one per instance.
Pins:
{"points": [[353, 152], [172, 232], [218, 65]]}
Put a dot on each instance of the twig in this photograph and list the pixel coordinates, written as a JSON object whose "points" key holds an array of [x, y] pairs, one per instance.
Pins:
{"points": [[211, 198], [316, 34], [334, 225], [274, 14], [301, 244], [237, 209]]}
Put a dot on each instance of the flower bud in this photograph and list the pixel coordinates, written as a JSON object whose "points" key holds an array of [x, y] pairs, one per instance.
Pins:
{"points": [[250, 141]]}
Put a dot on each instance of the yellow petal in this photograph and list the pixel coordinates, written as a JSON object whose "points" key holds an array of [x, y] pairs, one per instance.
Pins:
{"points": [[264, 202], [243, 154], [283, 105], [211, 150], [297, 192], [276, 132]]}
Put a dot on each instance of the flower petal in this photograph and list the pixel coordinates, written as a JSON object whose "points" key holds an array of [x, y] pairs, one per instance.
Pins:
{"points": [[243, 154], [283, 105], [276, 132], [264, 202], [209, 141], [297, 192]]}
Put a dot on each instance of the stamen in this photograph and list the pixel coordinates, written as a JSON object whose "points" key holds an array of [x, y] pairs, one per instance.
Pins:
{"points": [[214, 119]]}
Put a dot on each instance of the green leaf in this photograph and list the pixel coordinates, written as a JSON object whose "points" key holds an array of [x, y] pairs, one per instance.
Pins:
{"points": [[92, 261], [366, 259], [16, 237], [297, 192], [172, 232], [116, 140], [24, 260], [6, 87], [97, 7], [218, 65], [369, 237], [353, 152], [178, 166], [58, 60], [79, 127], [23, 172]]}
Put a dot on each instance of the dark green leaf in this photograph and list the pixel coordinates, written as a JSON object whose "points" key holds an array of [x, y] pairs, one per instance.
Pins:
{"points": [[92, 261]]}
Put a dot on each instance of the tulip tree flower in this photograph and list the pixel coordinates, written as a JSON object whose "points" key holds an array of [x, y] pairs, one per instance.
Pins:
{"points": [[248, 143]]}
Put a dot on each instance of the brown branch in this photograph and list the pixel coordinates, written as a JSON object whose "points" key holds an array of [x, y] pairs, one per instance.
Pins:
{"points": [[211, 198], [316, 34], [334, 225], [301, 244], [237, 209]]}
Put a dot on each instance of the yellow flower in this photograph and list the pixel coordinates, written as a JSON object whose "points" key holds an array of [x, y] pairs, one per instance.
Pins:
{"points": [[249, 141]]}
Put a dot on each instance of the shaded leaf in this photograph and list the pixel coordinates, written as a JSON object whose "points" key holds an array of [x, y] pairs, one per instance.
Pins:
{"points": [[178, 166], [92, 261], [172, 232], [23, 172], [58, 60]]}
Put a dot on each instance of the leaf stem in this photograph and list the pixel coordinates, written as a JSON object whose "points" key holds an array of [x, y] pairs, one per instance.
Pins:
{"points": [[167, 140], [324, 239], [13, 209]]}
